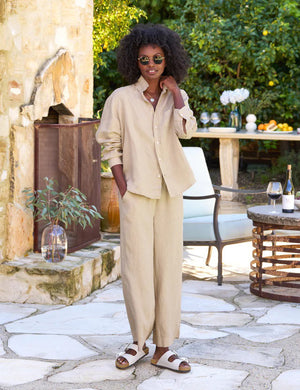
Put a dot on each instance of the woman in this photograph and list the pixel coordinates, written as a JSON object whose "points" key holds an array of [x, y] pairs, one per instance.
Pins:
{"points": [[139, 129]]}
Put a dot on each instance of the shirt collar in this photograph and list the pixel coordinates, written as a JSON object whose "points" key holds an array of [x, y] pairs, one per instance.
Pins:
{"points": [[142, 85]]}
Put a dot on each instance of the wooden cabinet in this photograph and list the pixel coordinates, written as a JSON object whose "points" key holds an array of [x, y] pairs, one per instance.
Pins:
{"points": [[69, 154]]}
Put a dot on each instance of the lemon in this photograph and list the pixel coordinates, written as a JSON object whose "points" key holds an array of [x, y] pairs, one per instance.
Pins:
{"points": [[265, 32], [271, 83], [290, 128]]}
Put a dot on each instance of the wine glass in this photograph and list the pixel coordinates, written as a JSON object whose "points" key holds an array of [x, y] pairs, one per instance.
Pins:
{"points": [[204, 118], [215, 118], [274, 192]]}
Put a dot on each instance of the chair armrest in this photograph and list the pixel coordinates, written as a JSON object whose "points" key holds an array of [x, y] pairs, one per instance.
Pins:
{"points": [[201, 197], [216, 211], [221, 188]]}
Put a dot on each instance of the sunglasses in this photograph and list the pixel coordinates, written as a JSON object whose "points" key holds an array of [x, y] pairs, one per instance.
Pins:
{"points": [[157, 59]]}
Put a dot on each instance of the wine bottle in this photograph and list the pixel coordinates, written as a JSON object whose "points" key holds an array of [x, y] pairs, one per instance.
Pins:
{"points": [[288, 195]]}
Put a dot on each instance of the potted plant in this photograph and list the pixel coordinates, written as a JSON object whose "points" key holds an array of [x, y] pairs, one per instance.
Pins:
{"points": [[109, 204], [69, 206], [254, 105]]}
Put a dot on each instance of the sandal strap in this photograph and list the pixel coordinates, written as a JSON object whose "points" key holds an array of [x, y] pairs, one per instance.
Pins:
{"points": [[131, 358], [132, 346], [163, 360]]}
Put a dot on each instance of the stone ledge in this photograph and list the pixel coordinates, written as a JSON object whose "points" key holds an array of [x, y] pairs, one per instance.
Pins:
{"points": [[33, 280]]}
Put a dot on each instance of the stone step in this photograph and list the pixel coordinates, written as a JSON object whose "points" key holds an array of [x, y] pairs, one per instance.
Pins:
{"points": [[32, 280]]}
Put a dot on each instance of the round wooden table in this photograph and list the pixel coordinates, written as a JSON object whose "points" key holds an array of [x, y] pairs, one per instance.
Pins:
{"points": [[276, 242]]}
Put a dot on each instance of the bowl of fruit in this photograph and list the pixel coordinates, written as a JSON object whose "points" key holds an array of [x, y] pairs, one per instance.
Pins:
{"points": [[273, 126], [297, 200]]}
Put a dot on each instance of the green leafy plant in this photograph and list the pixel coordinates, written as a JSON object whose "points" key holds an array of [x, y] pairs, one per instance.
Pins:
{"points": [[242, 44], [112, 20], [249, 199], [257, 105], [104, 166], [65, 207], [278, 171]]}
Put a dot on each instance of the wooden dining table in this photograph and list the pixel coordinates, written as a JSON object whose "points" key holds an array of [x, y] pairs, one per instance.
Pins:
{"points": [[229, 151]]}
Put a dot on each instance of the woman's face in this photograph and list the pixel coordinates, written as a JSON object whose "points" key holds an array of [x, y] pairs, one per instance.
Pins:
{"points": [[151, 71]]}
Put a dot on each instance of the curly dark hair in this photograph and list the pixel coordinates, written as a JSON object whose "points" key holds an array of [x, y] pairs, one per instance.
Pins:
{"points": [[177, 60]]}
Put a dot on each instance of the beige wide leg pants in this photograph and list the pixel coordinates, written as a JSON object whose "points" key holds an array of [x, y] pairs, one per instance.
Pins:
{"points": [[151, 265]]}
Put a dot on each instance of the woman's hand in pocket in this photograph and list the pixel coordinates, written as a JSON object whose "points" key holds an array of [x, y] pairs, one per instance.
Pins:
{"points": [[123, 192], [117, 171]]}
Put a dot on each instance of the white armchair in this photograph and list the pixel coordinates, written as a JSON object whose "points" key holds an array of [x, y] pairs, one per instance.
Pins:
{"points": [[202, 224]]}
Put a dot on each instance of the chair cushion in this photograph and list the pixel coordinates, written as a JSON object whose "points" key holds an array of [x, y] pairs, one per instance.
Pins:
{"points": [[202, 187], [231, 226]]}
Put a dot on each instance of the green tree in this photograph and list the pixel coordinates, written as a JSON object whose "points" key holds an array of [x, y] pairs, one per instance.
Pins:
{"points": [[112, 20], [158, 11], [253, 44]]}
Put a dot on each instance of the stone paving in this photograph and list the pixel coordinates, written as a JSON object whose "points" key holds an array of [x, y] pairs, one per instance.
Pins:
{"points": [[233, 339]]}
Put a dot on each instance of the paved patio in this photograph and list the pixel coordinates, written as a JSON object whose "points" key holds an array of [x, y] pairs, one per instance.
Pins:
{"points": [[234, 340]]}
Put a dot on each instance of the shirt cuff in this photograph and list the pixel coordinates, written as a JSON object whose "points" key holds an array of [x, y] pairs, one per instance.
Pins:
{"points": [[114, 161], [184, 112]]}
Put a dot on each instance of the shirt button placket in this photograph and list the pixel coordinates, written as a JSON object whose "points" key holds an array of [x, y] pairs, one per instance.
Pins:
{"points": [[157, 148]]}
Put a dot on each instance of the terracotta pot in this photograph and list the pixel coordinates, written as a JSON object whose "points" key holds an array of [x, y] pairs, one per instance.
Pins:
{"points": [[109, 205]]}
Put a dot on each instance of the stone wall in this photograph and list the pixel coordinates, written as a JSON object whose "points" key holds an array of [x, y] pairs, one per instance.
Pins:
{"points": [[46, 59], [33, 280]]}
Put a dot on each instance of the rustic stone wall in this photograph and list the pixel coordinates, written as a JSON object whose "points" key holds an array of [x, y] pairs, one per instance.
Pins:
{"points": [[33, 280], [46, 58]]}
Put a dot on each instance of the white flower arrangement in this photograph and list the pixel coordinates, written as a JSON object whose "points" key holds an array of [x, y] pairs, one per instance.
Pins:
{"points": [[234, 97]]}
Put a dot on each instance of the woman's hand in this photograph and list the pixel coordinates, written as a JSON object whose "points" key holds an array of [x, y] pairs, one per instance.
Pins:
{"points": [[170, 83], [123, 191], [117, 171], [172, 86]]}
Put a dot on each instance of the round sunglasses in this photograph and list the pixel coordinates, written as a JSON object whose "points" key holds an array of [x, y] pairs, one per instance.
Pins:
{"points": [[145, 60]]}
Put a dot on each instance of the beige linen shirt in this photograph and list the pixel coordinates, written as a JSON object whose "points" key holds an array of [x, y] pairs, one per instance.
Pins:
{"points": [[146, 141]]}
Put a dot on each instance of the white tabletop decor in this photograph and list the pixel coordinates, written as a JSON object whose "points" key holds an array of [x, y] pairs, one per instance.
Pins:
{"points": [[234, 97]]}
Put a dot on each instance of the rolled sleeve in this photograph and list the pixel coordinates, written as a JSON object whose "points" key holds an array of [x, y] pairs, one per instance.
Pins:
{"points": [[190, 121], [114, 161], [109, 133]]}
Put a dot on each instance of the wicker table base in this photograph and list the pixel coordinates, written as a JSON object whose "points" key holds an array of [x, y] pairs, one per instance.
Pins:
{"points": [[276, 255]]}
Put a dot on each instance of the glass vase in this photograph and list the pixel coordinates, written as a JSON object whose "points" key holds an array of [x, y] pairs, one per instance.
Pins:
{"points": [[235, 119], [54, 244]]}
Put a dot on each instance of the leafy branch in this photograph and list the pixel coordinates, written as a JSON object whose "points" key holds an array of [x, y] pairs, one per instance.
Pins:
{"points": [[112, 20], [66, 207], [257, 105]]}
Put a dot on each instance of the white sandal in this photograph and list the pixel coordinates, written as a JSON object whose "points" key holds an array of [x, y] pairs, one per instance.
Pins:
{"points": [[131, 359], [163, 362]]}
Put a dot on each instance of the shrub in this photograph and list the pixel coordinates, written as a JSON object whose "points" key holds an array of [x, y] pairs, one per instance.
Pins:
{"points": [[278, 171], [252, 44]]}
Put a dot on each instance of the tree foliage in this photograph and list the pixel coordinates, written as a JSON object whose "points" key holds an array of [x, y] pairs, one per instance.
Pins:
{"points": [[158, 11], [253, 44], [112, 19]]}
